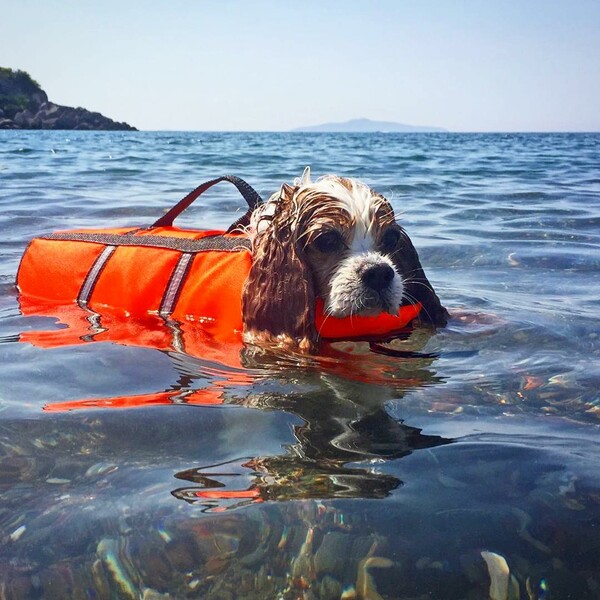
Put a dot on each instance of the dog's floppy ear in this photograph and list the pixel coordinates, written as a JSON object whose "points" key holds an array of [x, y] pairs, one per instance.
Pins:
{"points": [[278, 301], [416, 285]]}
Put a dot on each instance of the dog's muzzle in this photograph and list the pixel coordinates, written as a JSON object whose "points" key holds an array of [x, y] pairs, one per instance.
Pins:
{"points": [[366, 284]]}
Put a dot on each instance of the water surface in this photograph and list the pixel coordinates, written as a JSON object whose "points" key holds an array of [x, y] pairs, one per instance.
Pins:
{"points": [[142, 469]]}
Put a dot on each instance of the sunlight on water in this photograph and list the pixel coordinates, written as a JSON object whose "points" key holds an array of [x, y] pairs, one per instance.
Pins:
{"points": [[144, 459]]}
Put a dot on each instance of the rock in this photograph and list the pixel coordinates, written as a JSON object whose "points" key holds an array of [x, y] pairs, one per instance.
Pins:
{"points": [[22, 119], [24, 105], [8, 124], [332, 556]]}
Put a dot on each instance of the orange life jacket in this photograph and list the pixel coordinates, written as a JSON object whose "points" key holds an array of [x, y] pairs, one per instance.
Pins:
{"points": [[185, 275]]}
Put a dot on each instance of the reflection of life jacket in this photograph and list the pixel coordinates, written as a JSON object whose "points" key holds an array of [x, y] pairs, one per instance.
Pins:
{"points": [[220, 361], [183, 275]]}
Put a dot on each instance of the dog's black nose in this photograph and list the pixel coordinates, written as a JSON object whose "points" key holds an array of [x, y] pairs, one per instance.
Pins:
{"points": [[378, 277]]}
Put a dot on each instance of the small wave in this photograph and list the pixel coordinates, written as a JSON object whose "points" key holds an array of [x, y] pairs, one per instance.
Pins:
{"points": [[22, 151]]}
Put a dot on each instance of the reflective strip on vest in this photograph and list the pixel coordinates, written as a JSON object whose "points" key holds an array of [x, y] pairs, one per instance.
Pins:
{"points": [[92, 277], [175, 284]]}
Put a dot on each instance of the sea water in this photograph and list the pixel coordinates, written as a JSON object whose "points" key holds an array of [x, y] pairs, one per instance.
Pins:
{"points": [[137, 470]]}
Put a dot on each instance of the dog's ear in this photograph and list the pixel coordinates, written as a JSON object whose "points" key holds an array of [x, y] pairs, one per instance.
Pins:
{"points": [[278, 301], [416, 285]]}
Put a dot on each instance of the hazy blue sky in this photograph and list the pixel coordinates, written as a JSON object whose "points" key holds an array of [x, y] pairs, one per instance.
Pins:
{"points": [[473, 65]]}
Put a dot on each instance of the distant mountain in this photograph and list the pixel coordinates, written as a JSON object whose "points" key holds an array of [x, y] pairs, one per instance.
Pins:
{"points": [[366, 125]]}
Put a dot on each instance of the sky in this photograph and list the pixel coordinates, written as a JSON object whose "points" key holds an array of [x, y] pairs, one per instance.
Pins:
{"points": [[272, 65]]}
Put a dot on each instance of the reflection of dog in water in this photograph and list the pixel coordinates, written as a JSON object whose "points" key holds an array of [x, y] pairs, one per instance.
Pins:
{"points": [[335, 239], [337, 429]]}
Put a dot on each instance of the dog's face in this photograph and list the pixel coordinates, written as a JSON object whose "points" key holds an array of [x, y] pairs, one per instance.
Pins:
{"points": [[349, 248], [335, 239]]}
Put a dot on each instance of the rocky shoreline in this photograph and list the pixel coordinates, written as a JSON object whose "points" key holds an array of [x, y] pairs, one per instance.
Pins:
{"points": [[25, 105]]}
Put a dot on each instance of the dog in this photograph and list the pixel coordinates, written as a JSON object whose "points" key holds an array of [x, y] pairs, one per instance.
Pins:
{"points": [[335, 239]]}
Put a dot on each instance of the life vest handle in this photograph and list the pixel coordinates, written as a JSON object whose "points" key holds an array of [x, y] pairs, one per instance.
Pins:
{"points": [[251, 196]]}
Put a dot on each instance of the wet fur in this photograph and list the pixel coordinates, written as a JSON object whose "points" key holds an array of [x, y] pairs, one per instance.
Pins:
{"points": [[288, 272]]}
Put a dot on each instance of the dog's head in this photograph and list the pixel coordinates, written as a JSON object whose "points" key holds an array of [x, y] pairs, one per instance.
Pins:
{"points": [[336, 239]]}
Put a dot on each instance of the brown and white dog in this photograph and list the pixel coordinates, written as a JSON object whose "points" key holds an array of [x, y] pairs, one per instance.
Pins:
{"points": [[336, 239]]}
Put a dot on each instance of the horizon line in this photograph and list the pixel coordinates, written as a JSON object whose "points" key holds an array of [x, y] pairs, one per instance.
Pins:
{"points": [[296, 132], [465, 131]]}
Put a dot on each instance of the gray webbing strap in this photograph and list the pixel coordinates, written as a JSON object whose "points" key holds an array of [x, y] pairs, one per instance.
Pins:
{"points": [[219, 243], [251, 196]]}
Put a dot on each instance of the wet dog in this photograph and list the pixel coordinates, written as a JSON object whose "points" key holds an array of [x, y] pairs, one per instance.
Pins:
{"points": [[336, 239]]}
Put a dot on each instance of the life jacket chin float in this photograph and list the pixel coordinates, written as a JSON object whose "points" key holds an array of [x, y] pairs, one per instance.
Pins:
{"points": [[181, 275]]}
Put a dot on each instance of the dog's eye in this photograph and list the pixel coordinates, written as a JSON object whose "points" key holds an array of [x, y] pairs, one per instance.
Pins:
{"points": [[390, 240], [328, 242]]}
